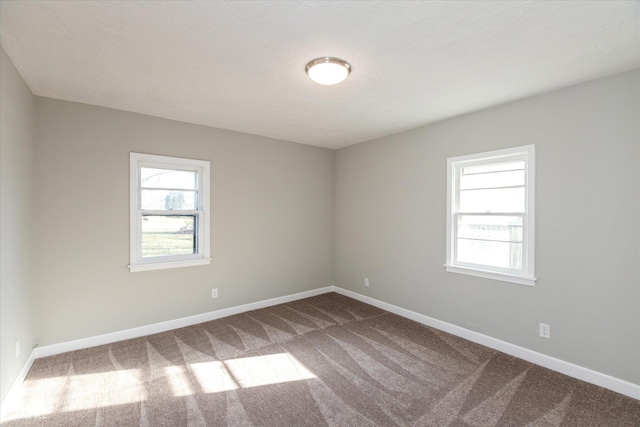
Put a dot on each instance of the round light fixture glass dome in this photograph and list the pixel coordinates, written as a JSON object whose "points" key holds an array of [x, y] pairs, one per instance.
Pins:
{"points": [[328, 70]]}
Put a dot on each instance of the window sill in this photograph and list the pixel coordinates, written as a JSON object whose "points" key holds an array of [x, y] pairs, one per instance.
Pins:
{"points": [[172, 264], [505, 277]]}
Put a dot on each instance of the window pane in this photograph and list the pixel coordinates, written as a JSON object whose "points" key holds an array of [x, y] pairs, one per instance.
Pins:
{"points": [[167, 178], [495, 254], [161, 200], [493, 167], [503, 228], [164, 235], [502, 200], [492, 179]]}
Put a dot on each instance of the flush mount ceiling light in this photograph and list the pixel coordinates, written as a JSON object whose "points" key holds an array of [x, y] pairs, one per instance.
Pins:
{"points": [[328, 70]]}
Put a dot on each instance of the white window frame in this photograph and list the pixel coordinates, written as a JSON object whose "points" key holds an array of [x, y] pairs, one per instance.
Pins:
{"points": [[526, 276], [202, 257]]}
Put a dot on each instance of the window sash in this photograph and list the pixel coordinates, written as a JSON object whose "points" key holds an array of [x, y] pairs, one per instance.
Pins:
{"points": [[523, 259], [169, 212], [197, 241]]}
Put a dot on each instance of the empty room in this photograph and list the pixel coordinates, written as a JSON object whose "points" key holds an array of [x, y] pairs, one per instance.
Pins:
{"points": [[320, 213]]}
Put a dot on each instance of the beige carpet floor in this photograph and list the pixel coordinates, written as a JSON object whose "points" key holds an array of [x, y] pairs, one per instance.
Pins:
{"points": [[326, 360]]}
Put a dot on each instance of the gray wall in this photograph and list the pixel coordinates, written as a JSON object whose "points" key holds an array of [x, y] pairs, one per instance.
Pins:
{"points": [[390, 213], [271, 221], [16, 236]]}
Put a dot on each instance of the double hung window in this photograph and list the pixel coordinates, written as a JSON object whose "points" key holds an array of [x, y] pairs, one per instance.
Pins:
{"points": [[169, 212], [490, 230]]}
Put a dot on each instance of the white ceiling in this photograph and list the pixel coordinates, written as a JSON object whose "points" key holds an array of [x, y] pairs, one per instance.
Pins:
{"points": [[240, 65]]}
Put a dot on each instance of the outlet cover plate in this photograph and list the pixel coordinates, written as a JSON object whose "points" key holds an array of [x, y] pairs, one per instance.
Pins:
{"points": [[545, 330]]}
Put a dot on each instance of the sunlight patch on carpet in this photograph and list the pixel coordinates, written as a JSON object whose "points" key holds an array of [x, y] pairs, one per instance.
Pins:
{"points": [[270, 369], [79, 392], [245, 372], [213, 377], [179, 382]]}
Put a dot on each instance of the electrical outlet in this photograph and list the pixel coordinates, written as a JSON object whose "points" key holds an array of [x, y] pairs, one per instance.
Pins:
{"points": [[214, 293], [366, 282], [18, 347], [545, 330]]}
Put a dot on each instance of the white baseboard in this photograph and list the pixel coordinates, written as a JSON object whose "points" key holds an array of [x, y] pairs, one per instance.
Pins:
{"points": [[50, 350], [567, 368], [13, 391], [585, 374]]}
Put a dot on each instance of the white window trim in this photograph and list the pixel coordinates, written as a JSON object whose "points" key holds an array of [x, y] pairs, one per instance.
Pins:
{"points": [[527, 277], [203, 257]]}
